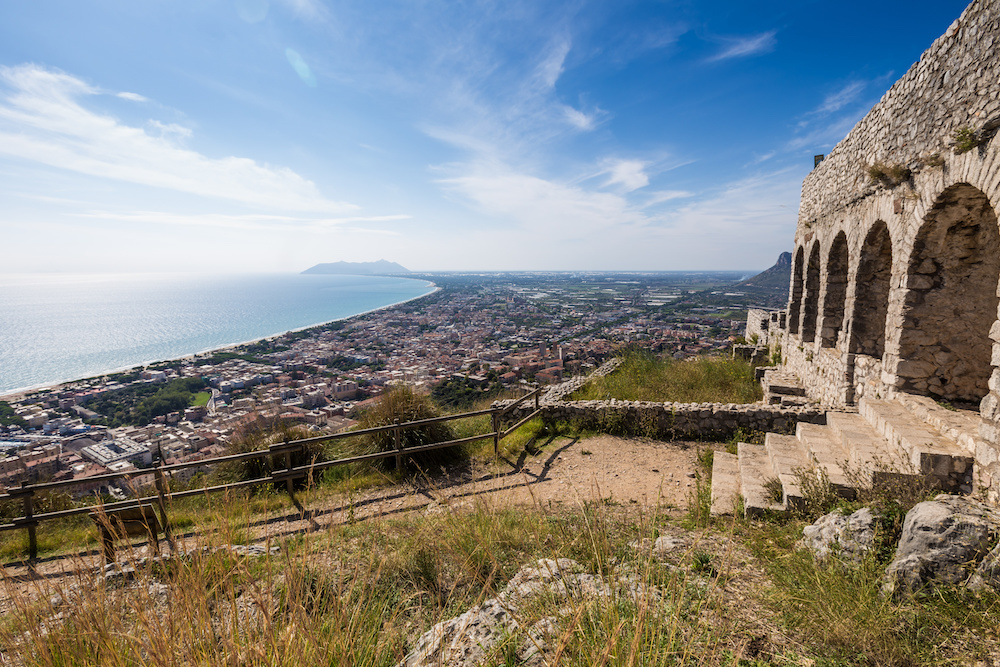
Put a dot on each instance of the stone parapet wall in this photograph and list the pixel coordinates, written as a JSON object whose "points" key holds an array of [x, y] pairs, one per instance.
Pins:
{"points": [[822, 371], [955, 84], [693, 421]]}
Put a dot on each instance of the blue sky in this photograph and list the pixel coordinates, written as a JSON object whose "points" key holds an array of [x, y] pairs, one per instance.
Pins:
{"points": [[270, 135]]}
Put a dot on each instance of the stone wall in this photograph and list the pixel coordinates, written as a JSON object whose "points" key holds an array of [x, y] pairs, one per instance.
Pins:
{"points": [[905, 209], [693, 421]]}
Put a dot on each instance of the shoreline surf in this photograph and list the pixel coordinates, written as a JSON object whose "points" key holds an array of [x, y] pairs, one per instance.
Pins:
{"points": [[21, 392]]}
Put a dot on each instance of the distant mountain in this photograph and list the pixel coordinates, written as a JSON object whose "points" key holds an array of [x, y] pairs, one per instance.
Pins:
{"points": [[379, 268], [773, 280]]}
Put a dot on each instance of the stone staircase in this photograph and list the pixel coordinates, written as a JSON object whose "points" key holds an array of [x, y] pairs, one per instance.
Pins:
{"points": [[782, 387], [908, 435]]}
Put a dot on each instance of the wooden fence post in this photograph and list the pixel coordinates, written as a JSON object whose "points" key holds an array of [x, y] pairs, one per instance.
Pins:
{"points": [[397, 437], [161, 493], [495, 420], [28, 521]]}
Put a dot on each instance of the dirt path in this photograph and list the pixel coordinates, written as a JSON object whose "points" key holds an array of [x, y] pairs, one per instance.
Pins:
{"points": [[564, 472]]}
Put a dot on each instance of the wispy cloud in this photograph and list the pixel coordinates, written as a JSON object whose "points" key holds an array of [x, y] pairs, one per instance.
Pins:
{"points": [[738, 227], [838, 100], [628, 175], [43, 119], [132, 97], [251, 222], [742, 47]]}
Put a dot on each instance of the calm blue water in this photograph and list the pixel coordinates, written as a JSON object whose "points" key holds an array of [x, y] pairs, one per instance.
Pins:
{"points": [[55, 328]]}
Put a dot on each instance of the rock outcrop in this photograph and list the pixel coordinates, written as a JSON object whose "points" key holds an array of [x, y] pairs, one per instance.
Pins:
{"points": [[849, 537], [480, 634], [947, 540]]}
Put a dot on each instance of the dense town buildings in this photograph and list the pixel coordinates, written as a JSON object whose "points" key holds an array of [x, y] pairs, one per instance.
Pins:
{"points": [[517, 331]]}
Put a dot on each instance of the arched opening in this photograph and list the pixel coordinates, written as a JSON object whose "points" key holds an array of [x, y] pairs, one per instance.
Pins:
{"points": [[811, 301], [836, 292], [795, 303], [951, 300], [871, 300]]}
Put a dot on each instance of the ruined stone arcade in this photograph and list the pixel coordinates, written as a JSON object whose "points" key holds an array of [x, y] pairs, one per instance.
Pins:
{"points": [[893, 302], [897, 252]]}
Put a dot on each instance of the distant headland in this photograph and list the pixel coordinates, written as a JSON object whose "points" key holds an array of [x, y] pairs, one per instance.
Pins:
{"points": [[381, 267]]}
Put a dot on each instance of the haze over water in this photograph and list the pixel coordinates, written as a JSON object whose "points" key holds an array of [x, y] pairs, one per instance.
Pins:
{"points": [[55, 328]]}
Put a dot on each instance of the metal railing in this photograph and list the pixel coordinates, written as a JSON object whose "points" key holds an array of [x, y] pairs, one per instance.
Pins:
{"points": [[288, 474]]}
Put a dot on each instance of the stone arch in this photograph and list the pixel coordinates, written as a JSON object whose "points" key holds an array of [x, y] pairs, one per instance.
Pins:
{"points": [[871, 301], [810, 301], [836, 291], [951, 299], [795, 303]]}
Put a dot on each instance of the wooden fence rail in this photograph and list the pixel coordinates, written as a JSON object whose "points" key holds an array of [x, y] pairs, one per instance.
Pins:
{"points": [[280, 451]]}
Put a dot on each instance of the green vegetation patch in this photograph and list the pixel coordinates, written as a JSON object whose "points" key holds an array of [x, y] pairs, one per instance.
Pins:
{"points": [[644, 377], [9, 418], [138, 404]]}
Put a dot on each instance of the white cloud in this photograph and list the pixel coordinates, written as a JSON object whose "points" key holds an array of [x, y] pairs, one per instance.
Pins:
{"points": [[661, 196], [838, 100], [629, 175], [540, 205], [42, 119], [243, 222], [132, 97], [579, 119], [546, 224], [741, 47], [168, 129], [551, 68]]}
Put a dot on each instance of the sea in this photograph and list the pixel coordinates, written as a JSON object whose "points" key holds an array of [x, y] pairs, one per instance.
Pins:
{"points": [[57, 328]]}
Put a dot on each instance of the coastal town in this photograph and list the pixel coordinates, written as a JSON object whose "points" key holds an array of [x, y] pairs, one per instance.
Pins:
{"points": [[485, 334]]}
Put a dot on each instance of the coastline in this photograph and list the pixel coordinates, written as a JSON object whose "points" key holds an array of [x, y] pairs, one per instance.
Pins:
{"points": [[22, 392]]}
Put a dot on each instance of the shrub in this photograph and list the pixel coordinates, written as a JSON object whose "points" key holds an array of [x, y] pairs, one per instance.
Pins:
{"points": [[965, 140], [889, 175], [399, 405], [259, 435]]}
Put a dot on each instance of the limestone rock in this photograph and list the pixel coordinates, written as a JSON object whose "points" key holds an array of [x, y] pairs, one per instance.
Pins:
{"points": [[477, 635], [849, 537], [943, 541]]}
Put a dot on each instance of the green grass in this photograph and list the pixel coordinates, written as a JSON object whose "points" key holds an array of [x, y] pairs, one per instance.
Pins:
{"points": [[643, 377], [200, 399], [362, 592]]}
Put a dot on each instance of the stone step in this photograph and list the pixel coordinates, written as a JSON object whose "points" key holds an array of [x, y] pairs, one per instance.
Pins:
{"points": [[960, 425], [788, 457], [725, 483], [824, 450], [866, 451], [783, 383], [928, 450], [755, 472]]}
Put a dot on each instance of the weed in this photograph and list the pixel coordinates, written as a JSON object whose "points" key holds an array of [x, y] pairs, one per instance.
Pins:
{"points": [[933, 160], [702, 562], [889, 175], [585, 452], [706, 457], [965, 139], [699, 501], [774, 490]]}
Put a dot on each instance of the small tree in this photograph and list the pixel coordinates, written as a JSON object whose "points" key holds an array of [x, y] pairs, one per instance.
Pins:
{"points": [[258, 435], [400, 405]]}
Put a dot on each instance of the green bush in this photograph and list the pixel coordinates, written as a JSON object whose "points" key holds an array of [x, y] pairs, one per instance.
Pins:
{"points": [[399, 405]]}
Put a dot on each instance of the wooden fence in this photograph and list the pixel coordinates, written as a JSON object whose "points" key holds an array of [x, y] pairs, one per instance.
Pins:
{"points": [[280, 451]]}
